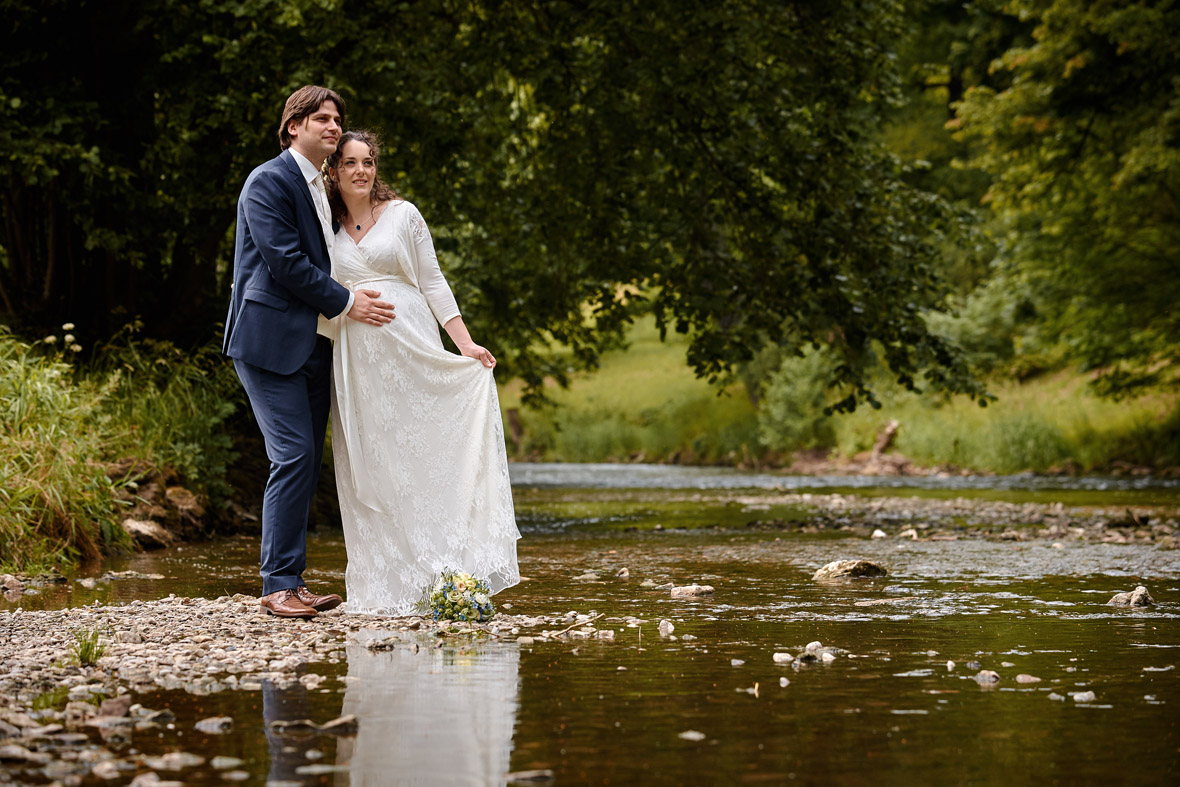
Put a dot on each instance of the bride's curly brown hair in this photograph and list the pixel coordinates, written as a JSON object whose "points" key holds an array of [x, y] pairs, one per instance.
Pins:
{"points": [[381, 191]]}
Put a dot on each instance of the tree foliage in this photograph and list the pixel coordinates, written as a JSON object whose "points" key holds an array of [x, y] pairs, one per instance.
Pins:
{"points": [[722, 158], [1083, 145]]}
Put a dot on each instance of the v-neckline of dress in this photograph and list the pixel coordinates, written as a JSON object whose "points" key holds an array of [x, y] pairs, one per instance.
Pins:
{"points": [[369, 231]]}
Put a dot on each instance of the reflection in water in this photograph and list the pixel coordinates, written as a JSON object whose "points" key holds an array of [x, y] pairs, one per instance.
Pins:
{"points": [[287, 748], [430, 715]]}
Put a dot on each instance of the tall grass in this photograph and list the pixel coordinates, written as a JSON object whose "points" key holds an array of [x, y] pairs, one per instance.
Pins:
{"points": [[63, 424], [56, 502]]}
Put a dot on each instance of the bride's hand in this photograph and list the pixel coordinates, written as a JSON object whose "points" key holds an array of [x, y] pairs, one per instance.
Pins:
{"points": [[478, 353]]}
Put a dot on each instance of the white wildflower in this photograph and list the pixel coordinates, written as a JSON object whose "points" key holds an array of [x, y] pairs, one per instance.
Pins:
{"points": [[76, 348], [50, 340], [68, 338], [69, 326]]}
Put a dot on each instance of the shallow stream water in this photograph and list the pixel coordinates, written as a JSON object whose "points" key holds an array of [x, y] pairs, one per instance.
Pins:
{"points": [[712, 707]]}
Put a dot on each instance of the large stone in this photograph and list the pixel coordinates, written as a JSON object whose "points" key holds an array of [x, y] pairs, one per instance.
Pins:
{"points": [[689, 591], [1139, 597], [849, 569], [10, 584], [147, 533]]}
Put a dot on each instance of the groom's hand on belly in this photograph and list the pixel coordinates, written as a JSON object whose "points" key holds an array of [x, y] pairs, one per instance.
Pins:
{"points": [[367, 309]]}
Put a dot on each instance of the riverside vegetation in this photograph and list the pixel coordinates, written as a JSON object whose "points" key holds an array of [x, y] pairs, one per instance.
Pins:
{"points": [[644, 404], [85, 443]]}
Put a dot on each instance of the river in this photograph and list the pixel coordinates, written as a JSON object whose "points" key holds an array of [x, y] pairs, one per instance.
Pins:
{"points": [[901, 706]]}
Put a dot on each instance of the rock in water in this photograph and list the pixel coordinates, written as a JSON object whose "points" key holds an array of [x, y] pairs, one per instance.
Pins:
{"points": [[147, 533], [840, 569], [215, 725], [783, 658], [878, 533], [987, 677], [345, 725], [1085, 696], [688, 591], [1139, 597], [666, 628], [1025, 678]]}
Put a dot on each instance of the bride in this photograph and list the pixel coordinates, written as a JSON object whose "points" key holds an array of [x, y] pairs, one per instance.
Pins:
{"points": [[418, 442]]}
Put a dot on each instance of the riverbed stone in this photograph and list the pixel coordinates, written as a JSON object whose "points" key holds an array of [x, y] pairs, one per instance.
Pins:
{"points": [[845, 569], [1084, 696], [693, 590], [666, 628], [1026, 678], [148, 534], [1139, 597], [215, 725], [11, 584], [987, 677], [782, 658]]}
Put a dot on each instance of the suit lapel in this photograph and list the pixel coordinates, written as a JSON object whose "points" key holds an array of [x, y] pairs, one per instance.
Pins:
{"points": [[301, 187], [301, 184]]}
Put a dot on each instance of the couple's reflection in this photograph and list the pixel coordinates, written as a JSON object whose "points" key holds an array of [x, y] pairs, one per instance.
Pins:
{"points": [[426, 715]]}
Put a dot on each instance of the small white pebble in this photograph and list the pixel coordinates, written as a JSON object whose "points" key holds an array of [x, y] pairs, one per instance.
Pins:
{"points": [[784, 682]]}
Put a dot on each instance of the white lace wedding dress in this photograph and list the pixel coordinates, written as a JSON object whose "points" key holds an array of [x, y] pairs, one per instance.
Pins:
{"points": [[421, 469]]}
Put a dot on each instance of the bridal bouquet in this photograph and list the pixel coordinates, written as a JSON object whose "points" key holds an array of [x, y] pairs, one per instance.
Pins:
{"points": [[457, 596]]}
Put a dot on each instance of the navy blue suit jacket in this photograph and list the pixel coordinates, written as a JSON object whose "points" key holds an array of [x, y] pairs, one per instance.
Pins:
{"points": [[282, 278]]}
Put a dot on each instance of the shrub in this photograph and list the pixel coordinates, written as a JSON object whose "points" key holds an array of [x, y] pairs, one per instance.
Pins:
{"points": [[792, 417]]}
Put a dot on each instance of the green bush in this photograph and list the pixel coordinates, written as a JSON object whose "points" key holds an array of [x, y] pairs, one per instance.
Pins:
{"points": [[792, 417], [171, 407]]}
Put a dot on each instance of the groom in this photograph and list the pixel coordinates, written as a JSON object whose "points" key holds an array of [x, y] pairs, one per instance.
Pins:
{"points": [[281, 284]]}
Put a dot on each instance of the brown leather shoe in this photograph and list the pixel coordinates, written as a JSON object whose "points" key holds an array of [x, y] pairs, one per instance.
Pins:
{"points": [[318, 603], [286, 604]]}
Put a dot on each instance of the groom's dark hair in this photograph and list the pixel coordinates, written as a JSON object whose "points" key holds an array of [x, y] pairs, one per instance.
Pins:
{"points": [[302, 103]]}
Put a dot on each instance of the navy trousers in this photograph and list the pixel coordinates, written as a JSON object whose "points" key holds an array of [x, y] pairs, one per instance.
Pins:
{"points": [[292, 411]]}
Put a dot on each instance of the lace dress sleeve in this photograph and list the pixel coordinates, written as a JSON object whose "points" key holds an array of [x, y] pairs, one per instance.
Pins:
{"points": [[431, 281]]}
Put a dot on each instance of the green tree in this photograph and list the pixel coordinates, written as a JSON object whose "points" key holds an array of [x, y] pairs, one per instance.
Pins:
{"points": [[1082, 145], [724, 157]]}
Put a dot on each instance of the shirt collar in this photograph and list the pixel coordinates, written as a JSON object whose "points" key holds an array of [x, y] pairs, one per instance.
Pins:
{"points": [[308, 169]]}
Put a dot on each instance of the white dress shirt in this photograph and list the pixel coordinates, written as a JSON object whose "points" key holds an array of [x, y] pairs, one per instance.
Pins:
{"points": [[319, 198]]}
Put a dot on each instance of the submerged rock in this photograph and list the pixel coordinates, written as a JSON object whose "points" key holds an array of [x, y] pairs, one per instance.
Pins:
{"points": [[1025, 678], [689, 591], [1084, 696], [987, 677], [215, 725], [841, 569], [1139, 597], [666, 628]]}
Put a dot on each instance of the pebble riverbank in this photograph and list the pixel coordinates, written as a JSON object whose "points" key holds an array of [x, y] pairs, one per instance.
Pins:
{"points": [[61, 720]]}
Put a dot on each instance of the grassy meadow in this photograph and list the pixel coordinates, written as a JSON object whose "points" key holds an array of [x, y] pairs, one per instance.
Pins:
{"points": [[645, 404]]}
